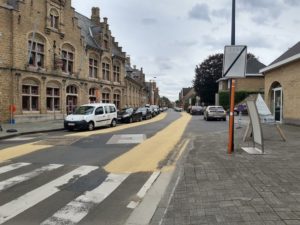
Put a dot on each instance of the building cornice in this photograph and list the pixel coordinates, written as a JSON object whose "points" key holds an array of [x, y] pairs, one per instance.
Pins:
{"points": [[280, 63]]}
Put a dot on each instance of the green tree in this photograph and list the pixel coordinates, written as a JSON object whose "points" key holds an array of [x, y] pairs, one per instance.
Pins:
{"points": [[164, 101], [206, 75]]}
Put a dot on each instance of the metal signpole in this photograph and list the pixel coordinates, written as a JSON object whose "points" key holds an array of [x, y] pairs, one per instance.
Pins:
{"points": [[232, 89]]}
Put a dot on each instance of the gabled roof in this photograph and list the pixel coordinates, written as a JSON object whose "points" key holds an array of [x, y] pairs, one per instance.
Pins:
{"points": [[87, 30], [292, 54], [252, 70], [254, 66]]}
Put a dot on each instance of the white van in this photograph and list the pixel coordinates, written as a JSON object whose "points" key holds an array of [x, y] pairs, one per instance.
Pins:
{"points": [[90, 116]]}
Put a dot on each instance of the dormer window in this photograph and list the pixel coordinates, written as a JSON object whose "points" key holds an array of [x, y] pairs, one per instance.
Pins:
{"points": [[54, 19]]}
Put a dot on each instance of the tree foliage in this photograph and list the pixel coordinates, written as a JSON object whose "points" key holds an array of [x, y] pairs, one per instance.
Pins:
{"points": [[164, 101], [206, 75]]}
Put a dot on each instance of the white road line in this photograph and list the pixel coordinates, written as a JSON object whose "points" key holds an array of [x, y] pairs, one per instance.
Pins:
{"points": [[77, 209], [26, 176], [11, 167], [142, 192], [19, 205]]}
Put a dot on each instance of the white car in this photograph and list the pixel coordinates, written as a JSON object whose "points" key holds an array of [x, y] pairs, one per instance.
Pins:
{"points": [[214, 112], [90, 116]]}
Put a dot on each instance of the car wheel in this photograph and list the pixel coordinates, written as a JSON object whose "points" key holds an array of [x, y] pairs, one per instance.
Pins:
{"points": [[113, 123], [91, 126], [130, 120]]}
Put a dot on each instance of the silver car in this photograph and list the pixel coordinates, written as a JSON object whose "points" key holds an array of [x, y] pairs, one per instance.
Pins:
{"points": [[214, 112]]}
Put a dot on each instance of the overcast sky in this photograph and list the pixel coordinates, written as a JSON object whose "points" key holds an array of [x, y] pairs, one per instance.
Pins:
{"points": [[168, 38]]}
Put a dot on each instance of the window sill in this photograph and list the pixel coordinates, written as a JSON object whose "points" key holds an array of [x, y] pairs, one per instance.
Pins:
{"points": [[30, 112]]}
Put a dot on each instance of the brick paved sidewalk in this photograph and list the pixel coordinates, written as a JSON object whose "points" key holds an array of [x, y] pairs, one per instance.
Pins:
{"points": [[240, 189]]}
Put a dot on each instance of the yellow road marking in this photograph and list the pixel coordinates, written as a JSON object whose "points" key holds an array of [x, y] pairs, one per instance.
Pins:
{"points": [[171, 167], [20, 150], [147, 155], [16, 151], [118, 128]]}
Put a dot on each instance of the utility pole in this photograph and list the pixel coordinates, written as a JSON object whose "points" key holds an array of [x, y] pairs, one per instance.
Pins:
{"points": [[232, 89]]}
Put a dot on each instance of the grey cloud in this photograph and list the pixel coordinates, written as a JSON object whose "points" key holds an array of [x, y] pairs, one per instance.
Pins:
{"points": [[255, 41], [221, 13], [292, 2], [149, 21], [262, 12], [186, 43], [200, 12]]}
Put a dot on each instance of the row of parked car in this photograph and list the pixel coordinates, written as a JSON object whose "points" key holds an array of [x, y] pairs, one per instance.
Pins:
{"points": [[89, 116]]}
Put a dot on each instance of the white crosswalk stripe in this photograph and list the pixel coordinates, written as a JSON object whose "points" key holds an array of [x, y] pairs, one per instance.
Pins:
{"points": [[26, 176], [142, 192], [19, 205], [76, 210], [73, 210], [5, 169]]}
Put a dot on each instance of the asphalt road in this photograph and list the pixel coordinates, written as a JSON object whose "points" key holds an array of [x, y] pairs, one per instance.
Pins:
{"points": [[96, 177]]}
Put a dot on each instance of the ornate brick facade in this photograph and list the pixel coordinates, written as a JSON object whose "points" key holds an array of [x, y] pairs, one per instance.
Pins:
{"points": [[54, 59]]}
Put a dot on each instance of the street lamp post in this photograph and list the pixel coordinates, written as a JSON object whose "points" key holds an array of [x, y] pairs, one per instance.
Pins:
{"points": [[232, 89]]}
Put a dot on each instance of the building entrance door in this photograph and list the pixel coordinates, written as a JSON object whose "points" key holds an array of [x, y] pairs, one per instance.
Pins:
{"points": [[277, 109]]}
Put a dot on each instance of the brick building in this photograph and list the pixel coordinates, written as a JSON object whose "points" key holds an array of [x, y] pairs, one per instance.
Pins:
{"points": [[253, 81], [54, 59], [136, 93], [282, 86]]}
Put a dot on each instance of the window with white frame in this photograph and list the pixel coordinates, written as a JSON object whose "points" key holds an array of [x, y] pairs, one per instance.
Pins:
{"points": [[53, 99], [30, 97]]}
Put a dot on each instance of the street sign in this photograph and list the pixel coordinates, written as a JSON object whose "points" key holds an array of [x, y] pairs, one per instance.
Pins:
{"points": [[235, 61]]}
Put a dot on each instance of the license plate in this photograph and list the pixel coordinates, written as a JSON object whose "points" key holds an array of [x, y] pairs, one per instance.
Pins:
{"points": [[71, 124]]}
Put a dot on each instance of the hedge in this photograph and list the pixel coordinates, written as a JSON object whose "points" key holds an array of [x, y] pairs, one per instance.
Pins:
{"points": [[239, 96]]}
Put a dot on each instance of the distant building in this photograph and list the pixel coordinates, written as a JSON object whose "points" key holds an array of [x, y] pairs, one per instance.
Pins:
{"points": [[253, 81], [136, 93], [186, 97], [282, 86]]}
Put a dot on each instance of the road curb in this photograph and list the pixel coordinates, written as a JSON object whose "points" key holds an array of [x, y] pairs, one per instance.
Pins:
{"points": [[29, 132]]}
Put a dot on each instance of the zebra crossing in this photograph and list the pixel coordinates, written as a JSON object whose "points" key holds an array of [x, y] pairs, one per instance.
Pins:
{"points": [[74, 210]]}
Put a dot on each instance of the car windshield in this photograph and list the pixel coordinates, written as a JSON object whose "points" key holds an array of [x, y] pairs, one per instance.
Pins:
{"points": [[84, 110]]}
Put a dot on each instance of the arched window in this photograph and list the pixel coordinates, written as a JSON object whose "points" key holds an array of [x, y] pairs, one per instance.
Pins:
{"points": [[53, 97], [116, 72], [54, 19], [117, 99], [71, 99], [30, 95], [67, 55], [106, 70], [93, 95], [93, 66], [106, 95], [36, 50]]}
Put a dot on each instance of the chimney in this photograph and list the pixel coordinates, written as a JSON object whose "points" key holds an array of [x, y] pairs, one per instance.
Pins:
{"points": [[134, 67], [95, 16], [105, 20], [128, 60]]}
